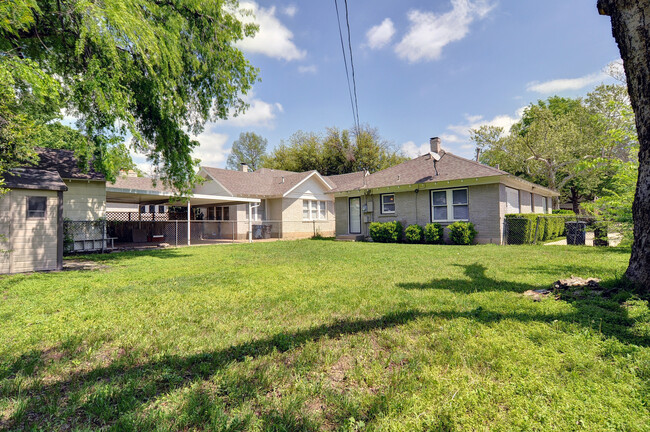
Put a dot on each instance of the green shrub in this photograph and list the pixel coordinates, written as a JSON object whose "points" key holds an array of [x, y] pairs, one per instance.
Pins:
{"points": [[563, 212], [413, 234], [386, 232], [462, 233], [521, 227], [600, 233], [433, 233]]}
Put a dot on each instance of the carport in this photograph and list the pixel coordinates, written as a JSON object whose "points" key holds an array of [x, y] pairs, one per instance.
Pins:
{"points": [[141, 191]]}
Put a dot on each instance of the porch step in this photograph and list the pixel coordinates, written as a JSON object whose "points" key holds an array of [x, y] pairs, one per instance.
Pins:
{"points": [[349, 237]]}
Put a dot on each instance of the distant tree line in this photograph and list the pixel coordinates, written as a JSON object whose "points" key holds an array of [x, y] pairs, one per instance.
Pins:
{"points": [[334, 152]]}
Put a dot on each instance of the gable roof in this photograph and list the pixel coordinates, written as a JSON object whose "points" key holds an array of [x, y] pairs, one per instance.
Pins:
{"points": [[345, 181], [263, 183], [33, 178], [421, 170], [66, 164]]}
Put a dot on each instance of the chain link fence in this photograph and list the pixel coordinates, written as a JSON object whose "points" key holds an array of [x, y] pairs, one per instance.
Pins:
{"points": [[564, 229], [126, 232]]}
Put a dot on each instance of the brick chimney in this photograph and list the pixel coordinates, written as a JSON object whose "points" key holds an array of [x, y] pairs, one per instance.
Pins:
{"points": [[244, 167], [435, 143]]}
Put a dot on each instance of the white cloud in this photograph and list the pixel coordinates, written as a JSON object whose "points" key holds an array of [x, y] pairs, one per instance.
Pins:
{"points": [[412, 150], [429, 33], [211, 150], [380, 35], [259, 113], [504, 121], [273, 39], [308, 69], [560, 85], [450, 138], [290, 11]]}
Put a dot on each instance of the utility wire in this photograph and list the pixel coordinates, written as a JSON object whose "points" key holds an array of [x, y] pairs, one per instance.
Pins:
{"points": [[354, 81], [345, 62]]}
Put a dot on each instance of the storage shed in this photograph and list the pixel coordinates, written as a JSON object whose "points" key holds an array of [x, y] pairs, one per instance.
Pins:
{"points": [[31, 221]]}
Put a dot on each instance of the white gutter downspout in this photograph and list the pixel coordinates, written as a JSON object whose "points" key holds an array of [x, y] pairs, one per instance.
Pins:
{"points": [[188, 222], [250, 222]]}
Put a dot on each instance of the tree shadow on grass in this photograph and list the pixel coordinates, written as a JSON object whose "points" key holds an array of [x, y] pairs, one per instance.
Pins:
{"points": [[114, 395], [611, 317], [127, 255]]}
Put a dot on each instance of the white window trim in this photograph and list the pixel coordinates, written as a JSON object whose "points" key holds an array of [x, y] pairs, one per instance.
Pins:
{"points": [[381, 202], [314, 206], [450, 205]]}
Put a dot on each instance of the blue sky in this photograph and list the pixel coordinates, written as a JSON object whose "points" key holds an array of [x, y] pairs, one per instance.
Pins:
{"points": [[423, 68]]}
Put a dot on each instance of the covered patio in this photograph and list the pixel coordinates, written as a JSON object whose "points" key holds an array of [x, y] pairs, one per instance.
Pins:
{"points": [[180, 226]]}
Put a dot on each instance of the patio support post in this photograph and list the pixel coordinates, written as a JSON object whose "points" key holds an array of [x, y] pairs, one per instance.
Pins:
{"points": [[250, 222], [188, 222]]}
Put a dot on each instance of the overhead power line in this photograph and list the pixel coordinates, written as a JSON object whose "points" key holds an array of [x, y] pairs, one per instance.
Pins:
{"points": [[353, 85], [354, 80]]}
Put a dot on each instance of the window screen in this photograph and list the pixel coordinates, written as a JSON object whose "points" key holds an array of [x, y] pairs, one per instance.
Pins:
{"points": [[36, 207]]}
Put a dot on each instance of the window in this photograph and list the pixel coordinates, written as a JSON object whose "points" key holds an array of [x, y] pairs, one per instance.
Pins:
{"points": [[314, 210], [322, 210], [161, 209], [450, 204], [222, 213], [36, 207], [387, 203], [544, 205], [512, 200]]}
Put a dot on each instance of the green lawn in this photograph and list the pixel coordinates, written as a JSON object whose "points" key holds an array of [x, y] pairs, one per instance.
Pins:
{"points": [[322, 335]]}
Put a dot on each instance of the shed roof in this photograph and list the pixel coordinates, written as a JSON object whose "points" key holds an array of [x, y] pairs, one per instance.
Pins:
{"points": [[33, 178]]}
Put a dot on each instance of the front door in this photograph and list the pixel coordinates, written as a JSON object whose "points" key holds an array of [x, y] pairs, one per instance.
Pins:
{"points": [[354, 213]]}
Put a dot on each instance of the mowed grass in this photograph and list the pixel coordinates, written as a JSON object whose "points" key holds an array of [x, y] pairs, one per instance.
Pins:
{"points": [[321, 335]]}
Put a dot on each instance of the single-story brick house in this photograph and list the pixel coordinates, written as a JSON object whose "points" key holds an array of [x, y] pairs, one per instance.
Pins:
{"points": [[292, 205], [436, 187]]}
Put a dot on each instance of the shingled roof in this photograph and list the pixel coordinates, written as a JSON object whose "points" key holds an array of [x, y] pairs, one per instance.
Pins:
{"points": [[33, 178], [66, 164], [139, 183], [418, 171], [263, 183]]}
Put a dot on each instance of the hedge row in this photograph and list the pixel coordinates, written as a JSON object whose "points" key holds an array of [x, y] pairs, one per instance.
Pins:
{"points": [[521, 227], [392, 232]]}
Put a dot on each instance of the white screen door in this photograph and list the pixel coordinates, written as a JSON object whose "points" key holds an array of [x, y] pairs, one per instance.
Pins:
{"points": [[355, 215]]}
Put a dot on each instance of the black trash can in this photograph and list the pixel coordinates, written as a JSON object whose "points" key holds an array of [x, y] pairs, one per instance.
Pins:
{"points": [[575, 233]]}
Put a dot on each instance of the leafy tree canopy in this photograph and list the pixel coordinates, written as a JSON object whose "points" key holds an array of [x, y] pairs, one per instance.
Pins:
{"points": [[335, 152], [153, 69], [250, 149], [570, 145]]}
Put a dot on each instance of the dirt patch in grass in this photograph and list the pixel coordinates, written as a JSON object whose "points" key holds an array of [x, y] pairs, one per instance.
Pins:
{"points": [[82, 265], [336, 376]]}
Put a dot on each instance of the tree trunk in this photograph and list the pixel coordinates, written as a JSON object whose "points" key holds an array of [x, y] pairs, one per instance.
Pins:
{"points": [[631, 29], [575, 200]]}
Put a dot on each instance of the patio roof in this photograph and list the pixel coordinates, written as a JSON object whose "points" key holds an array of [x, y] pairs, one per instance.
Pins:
{"points": [[149, 196]]}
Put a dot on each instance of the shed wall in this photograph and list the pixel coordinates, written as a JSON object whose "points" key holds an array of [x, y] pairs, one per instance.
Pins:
{"points": [[32, 243]]}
